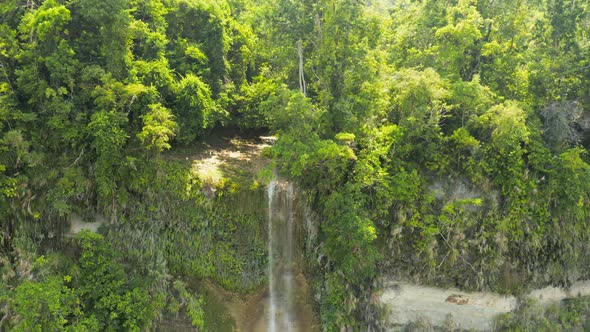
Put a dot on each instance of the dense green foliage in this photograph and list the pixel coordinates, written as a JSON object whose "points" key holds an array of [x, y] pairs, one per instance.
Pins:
{"points": [[96, 294], [441, 140], [448, 144], [92, 93]]}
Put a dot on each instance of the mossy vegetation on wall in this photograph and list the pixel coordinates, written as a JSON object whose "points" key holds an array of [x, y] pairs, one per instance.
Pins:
{"points": [[172, 222], [171, 228]]}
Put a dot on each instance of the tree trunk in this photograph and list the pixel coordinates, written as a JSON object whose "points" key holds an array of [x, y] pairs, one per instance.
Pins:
{"points": [[302, 84]]}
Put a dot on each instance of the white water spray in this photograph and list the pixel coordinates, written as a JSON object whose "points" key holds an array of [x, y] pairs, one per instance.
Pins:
{"points": [[281, 265], [272, 302]]}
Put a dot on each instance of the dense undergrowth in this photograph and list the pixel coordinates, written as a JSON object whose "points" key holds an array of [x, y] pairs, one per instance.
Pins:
{"points": [[441, 141]]}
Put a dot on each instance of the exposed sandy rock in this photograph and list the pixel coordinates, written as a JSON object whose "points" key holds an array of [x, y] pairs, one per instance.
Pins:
{"points": [[77, 224], [407, 303], [550, 295]]}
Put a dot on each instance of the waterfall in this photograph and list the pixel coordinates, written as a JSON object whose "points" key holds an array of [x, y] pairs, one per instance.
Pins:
{"points": [[281, 265], [288, 305], [271, 288]]}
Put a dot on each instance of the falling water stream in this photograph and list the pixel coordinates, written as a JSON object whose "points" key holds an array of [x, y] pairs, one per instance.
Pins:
{"points": [[284, 313], [286, 304], [271, 285]]}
